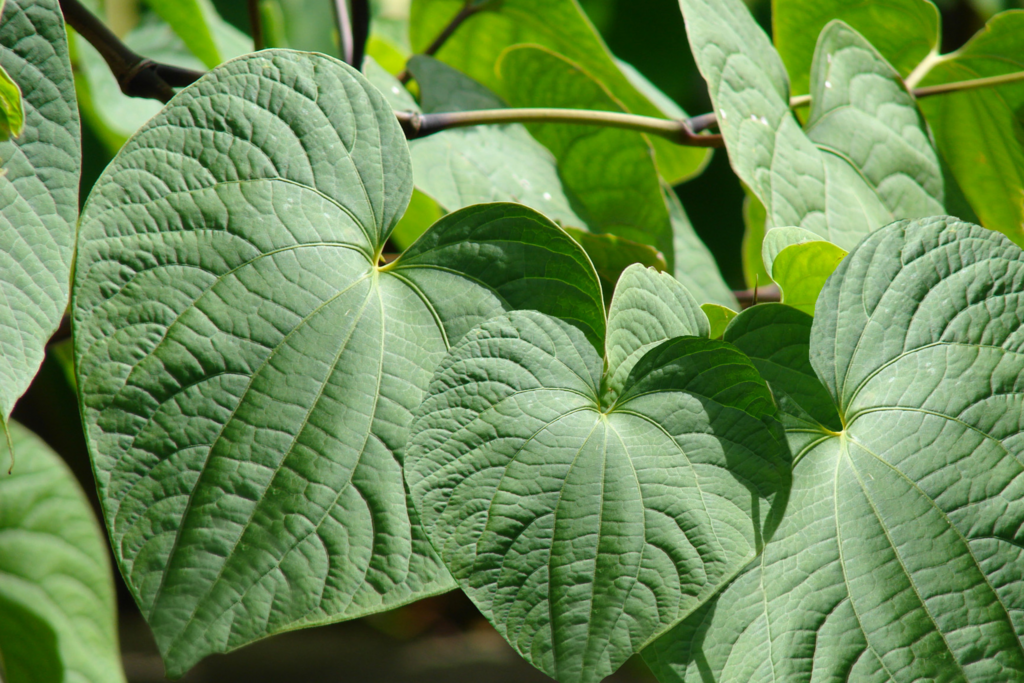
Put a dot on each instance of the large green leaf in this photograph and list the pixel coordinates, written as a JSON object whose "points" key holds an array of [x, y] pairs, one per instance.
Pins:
{"points": [[301, 25], [248, 370], [38, 191], [865, 158], [559, 25], [903, 31], [899, 557], [57, 608], [981, 132], [583, 528], [610, 172]]}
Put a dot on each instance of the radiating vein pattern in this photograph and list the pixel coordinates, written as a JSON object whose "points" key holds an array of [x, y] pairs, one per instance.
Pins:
{"points": [[584, 531], [38, 191], [901, 552], [248, 370]]}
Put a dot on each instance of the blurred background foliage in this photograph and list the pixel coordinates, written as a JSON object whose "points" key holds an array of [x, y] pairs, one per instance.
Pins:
{"points": [[443, 637]]}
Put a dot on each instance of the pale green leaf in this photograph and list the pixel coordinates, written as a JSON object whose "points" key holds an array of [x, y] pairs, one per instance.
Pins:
{"points": [[648, 308], [903, 31], [899, 557], [800, 270], [980, 132], [38, 192], [191, 21], [695, 267], [248, 370], [865, 158], [611, 255], [582, 530], [719, 318], [754, 217], [58, 618], [778, 239], [558, 25]]}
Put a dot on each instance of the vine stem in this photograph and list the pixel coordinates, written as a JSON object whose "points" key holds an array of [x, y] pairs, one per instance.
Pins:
{"points": [[136, 75], [416, 125], [256, 25]]}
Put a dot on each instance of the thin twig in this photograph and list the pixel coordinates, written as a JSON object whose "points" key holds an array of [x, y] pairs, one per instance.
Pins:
{"points": [[256, 25], [136, 75], [360, 30], [416, 125], [344, 30], [751, 297]]}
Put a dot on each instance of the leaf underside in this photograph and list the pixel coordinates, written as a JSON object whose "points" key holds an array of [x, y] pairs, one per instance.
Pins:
{"points": [[865, 158], [899, 557], [57, 609], [247, 369], [38, 191], [583, 528]]}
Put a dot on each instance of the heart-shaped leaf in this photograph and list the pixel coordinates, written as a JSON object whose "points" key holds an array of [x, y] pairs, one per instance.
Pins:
{"points": [[38, 191], [899, 557], [829, 179], [561, 26], [58, 619], [248, 368], [583, 528]]}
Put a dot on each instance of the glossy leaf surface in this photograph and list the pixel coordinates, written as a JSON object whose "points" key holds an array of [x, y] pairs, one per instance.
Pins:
{"points": [[58, 619], [38, 191], [899, 556], [583, 528], [865, 157], [247, 368]]}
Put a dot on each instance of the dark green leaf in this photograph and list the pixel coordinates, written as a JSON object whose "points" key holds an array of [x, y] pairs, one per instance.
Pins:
{"points": [[248, 370], [477, 46], [582, 530], [58, 618], [611, 255], [899, 557], [38, 192]]}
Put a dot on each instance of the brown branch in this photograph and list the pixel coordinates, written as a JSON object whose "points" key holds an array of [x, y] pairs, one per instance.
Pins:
{"points": [[136, 75], [256, 25], [416, 125]]}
